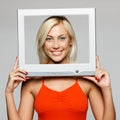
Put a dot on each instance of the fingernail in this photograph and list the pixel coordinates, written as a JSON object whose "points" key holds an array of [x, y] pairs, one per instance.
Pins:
{"points": [[26, 72], [26, 78], [97, 78]]}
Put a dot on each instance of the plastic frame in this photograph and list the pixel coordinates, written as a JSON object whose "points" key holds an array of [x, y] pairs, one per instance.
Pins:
{"points": [[57, 69]]}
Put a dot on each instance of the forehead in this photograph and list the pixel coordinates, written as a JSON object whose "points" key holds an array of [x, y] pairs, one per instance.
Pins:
{"points": [[58, 29]]}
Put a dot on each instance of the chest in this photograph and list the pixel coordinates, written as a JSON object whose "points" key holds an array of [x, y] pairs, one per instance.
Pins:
{"points": [[71, 98]]}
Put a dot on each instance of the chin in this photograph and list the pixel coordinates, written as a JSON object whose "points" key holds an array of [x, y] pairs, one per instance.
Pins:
{"points": [[56, 61]]}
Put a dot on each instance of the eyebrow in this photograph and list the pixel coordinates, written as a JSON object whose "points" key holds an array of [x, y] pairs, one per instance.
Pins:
{"points": [[58, 36]]}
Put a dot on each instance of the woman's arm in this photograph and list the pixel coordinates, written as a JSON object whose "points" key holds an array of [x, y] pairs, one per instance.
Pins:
{"points": [[109, 111], [16, 76], [26, 107], [100, 96]]}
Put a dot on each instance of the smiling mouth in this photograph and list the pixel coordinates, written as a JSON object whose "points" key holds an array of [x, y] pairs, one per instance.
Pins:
{"points": [[56, 53]]}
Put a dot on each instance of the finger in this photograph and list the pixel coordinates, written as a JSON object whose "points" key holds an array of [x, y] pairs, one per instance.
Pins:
{"points": [[16, 63], [97, 62], [21, 71], [100, 73], [89, 78], [18, 79], [20, 75], [93, 79]]}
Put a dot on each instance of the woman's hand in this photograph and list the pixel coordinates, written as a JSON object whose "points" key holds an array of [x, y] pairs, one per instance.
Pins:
{"points": [[101, 78], [16, 76]]}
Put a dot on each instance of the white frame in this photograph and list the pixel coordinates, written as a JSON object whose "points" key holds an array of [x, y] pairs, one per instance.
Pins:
{"points": [[59, 69]]}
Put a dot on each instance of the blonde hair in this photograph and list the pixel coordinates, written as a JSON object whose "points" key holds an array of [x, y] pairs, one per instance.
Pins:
{"points": [[43, 31]]}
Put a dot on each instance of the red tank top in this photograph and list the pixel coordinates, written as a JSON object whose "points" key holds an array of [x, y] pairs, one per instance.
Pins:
{"points": [[69, 104]]}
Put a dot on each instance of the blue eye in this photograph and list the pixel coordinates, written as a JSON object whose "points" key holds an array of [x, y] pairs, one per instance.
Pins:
{"points": [[48, 38], [62, 38]]}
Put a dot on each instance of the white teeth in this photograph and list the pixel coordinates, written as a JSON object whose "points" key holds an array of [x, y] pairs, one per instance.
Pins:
{"points": [[56, 53]]}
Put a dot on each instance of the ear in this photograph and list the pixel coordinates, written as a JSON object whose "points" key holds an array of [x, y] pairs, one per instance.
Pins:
{"points": [[70, 43]]}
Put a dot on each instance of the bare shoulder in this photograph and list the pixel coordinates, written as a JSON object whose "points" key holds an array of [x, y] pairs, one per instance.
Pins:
{"points": [[87, 86], [32, 85]]}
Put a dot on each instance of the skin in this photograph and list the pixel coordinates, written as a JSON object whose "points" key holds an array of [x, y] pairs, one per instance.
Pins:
{"points": [[97, 88], [57, 45]]}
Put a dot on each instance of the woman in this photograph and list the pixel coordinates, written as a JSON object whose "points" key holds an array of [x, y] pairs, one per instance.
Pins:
{"points": [[56, 98]]}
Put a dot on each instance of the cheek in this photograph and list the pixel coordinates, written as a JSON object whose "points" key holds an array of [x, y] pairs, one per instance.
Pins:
{"points": [[46, 46], [67, 45]]}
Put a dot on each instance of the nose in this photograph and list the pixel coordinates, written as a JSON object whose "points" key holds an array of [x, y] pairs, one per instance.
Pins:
{"points": [[56, 44]]}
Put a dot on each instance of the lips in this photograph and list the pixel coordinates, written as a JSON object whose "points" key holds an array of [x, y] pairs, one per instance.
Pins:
{"points": [[56, 53]]}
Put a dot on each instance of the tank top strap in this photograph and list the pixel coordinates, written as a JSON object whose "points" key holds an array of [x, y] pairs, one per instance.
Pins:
{"points": [[42, 82], [76, 79]]}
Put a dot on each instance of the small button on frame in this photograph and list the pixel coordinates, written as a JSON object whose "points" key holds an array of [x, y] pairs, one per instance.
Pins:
{"points": [[77, 71]]}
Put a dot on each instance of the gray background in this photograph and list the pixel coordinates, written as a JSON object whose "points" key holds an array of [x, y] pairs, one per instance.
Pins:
{"points": [[108, 39]]}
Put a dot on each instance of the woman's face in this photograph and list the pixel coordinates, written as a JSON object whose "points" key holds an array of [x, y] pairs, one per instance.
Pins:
{"points": [[57, 45]]}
